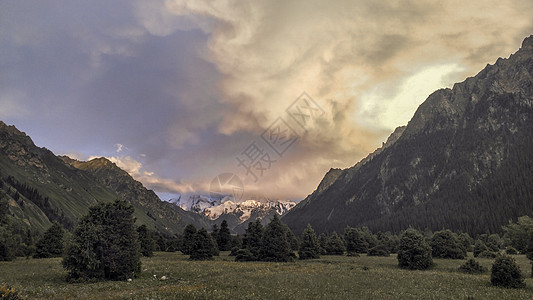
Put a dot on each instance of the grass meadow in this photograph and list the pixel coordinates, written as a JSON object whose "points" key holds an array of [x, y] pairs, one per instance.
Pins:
{"points": [[330, 277]]}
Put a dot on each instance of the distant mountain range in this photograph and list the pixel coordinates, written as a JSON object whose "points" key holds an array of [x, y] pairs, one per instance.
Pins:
{"points": [[464, 162], [237, 213], [42, 188]]}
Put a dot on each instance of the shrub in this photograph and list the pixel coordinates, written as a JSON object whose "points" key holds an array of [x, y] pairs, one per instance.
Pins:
{"points": [[8, 293], [479, 247], [355, 242], [245, 255], [104, 244], [472, 267], [413, 252], [506, 273], [444, 244]]}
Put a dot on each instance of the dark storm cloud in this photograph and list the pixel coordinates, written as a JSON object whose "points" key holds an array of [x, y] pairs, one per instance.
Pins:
{"points": [[184, 86]]}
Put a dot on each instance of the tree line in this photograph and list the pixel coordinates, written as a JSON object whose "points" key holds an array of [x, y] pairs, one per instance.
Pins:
{"points": [[106, 244]]}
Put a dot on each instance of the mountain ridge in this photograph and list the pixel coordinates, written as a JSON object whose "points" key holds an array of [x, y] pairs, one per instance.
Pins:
{"points": [[447, 158], [60, 188]]}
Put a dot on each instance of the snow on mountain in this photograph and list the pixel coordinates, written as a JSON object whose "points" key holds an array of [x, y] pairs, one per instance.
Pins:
{"points": [[213, 208]]}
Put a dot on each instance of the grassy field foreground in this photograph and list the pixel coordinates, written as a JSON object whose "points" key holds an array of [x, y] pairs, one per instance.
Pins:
{"points": [[331, 277]]}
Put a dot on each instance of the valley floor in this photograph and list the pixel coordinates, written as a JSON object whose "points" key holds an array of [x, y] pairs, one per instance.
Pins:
{"points": [[331, 277]]}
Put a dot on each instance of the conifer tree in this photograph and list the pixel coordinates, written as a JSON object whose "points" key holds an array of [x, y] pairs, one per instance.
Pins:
{"points": [[146, 241], [203, 246], [335, 245], [275, 245], [252, 238], [52, 242], [309, 247], [224, 237], [188, 239]]}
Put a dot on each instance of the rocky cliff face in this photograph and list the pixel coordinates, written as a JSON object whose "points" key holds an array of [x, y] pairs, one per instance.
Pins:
{"points": [[448, 166]]}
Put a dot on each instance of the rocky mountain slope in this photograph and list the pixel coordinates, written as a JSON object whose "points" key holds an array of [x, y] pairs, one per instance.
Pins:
{"points": [[42, 187], [464, 162]]}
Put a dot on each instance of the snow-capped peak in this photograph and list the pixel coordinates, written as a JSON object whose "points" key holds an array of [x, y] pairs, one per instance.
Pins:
{"points": [[214, 207]]}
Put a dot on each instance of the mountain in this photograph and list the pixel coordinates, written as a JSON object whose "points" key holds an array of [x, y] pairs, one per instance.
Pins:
{"points": [[237, 214], [464, 162], [42, 188]]}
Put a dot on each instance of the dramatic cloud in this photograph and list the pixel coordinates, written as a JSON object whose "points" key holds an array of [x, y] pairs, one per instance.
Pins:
{"points": [[176, 91]]}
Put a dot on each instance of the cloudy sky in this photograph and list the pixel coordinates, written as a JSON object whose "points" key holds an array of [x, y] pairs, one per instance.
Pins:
{"points": [[276, 92]]}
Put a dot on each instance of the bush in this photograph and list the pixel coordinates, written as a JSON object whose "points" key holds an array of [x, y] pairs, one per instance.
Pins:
{"points": [[506, 273], [479, 247], [472, 267], [245, 255], [379, 250], [8, 293], [104, 244], [354, 240], [413, 252], [444, 244]]}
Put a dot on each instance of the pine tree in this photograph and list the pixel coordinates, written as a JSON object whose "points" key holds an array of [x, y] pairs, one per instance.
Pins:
{"points": [[203, 246], [275, 245], [309, 247], [104, 244], [188, 239], [335, 245], [323, 239], [252, 237], [413, 252], [52, 242], [146, 241], [224, 237]]}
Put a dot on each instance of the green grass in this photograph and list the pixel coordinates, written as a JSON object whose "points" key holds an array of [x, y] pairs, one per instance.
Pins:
{"points": [[331, 277]]}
